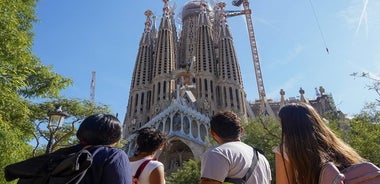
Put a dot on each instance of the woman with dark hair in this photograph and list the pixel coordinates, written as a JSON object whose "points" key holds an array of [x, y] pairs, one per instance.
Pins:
{"points": [[306, 145], [149, 140], [99, 133]]}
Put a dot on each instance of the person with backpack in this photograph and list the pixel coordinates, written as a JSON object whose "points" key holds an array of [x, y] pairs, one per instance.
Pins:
{"points": [[100, 133], [232, 160], [95, 160], [146, 168], [307, 144]]}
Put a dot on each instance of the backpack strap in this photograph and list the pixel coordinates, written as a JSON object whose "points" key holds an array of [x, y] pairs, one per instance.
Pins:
{"points": [[255, 160], [330, 174], [141, 168]]}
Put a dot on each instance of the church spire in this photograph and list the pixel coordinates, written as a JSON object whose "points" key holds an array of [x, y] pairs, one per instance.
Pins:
{"points": [[282, 102], [303, 98], [141, 79], [164, 60], [230, 84]]}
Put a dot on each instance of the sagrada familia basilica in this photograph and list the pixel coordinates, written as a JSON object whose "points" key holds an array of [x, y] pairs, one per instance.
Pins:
{"points": [[182, 77]]}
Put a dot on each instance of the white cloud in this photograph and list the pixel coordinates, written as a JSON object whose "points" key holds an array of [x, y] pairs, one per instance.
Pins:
{"points": [[362, 13], [351, 13], [363, 17]]}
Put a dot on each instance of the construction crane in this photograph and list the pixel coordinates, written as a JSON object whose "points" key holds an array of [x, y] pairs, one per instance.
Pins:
{"points": [[92, 88], [265, 108]]}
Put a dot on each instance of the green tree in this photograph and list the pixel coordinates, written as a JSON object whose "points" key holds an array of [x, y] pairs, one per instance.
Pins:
{"points": [[364, 136], [22, 77], [77, 109], [371, 112], [189, 173], [362, 132], [263, 133]]}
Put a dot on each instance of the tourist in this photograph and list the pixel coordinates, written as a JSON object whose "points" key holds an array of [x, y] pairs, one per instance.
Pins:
{"points": [[100, 133], [232, 158], [306, 145], [149, 140]]}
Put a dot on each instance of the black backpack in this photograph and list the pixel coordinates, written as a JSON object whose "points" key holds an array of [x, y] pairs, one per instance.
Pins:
{"points": [[64, 166]]}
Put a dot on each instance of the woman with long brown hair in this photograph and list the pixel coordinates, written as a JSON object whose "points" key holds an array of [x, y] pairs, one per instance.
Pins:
{"points": [[306, 144]]}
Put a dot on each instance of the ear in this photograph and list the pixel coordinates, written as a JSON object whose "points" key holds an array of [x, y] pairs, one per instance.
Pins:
{"points": [[241, 130], [215, 136]]}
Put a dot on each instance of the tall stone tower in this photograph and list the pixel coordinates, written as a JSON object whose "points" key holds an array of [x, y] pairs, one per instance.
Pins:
{"points": [[182, 78]]}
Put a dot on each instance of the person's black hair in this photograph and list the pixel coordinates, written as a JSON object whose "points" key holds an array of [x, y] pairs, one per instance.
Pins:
{"points": [[99, 129], [226, 125], [149, 139]]}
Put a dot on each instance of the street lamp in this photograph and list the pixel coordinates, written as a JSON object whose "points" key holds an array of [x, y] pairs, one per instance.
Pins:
{"points": [[56, 119]]}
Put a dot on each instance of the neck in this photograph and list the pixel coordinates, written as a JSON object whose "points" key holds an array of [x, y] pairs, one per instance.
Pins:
{"points": [[144, 155], [222, 141]]}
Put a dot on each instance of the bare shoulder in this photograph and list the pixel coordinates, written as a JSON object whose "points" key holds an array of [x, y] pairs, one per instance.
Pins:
{"points": [[157, 176]]}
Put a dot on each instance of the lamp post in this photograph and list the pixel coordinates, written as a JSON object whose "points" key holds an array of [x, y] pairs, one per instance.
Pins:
{"points": [[56, 119]]}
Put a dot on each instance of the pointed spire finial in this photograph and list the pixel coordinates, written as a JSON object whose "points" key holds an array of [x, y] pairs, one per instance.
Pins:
{"points": [[222, 5], [148, 22], [166, 7], [203, 5], [303, 98], [282, 102]]}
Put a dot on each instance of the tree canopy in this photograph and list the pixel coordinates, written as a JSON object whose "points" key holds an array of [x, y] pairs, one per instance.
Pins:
{"points": [[189, 173], [22, 78], [77, 109]]}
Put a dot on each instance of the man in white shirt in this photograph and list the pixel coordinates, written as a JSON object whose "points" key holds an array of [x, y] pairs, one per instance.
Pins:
{"points": [[231, 158]]}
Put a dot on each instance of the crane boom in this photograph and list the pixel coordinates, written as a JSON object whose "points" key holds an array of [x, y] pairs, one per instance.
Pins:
{"points": [[264, 105], [233, 13]]}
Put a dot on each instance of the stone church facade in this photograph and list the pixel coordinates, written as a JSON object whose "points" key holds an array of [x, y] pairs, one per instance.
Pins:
{"points": [[182, 77]]}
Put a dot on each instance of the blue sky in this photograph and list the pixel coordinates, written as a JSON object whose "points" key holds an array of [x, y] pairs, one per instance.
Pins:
{"points": [[77, 37]]}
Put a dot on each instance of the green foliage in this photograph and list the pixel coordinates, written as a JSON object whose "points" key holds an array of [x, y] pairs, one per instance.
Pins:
{"points": [[22, 76], [365, 137], [361, 134], [20, 71], [371, 112], [263, 133], [11, 148], [76, 108], [189, 174]]}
